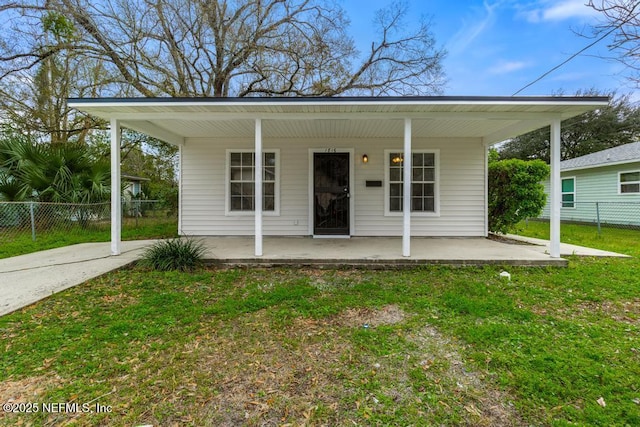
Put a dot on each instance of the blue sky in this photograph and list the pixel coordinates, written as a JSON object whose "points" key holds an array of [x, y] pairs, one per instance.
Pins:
{"points": [[495, 47]]}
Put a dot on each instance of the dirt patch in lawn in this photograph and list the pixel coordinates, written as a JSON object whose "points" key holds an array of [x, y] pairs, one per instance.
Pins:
{"points": [[369, 317], [485, 405], [310, 372], [25, 390], [270, 376], [620, 311]]}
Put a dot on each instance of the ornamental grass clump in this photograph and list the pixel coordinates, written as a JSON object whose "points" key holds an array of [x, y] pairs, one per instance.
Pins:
{"points": [[175, 254]]}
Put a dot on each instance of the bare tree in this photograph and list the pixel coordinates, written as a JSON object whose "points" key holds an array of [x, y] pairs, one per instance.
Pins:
{"points": [[238, 48], [38, 74], [622, 19]]}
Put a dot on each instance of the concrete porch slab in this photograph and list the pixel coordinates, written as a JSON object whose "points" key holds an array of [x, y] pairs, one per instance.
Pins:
{"points": [[374, 252]]}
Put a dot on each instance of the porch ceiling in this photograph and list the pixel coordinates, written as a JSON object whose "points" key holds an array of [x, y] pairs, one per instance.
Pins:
{"points": [[328, 128], [492, 119]]}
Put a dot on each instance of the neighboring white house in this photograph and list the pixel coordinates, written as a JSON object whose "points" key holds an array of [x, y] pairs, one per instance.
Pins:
{"points": [[601, 187], [132, 187], [334, 166]]}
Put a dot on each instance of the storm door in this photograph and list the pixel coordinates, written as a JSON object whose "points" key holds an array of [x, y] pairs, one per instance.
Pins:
{"points": [[331, 193]]}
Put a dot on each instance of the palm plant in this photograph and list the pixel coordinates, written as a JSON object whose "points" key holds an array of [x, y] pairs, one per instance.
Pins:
{"points": [[72, 175], [15, 152], [64, 173], [61, 173]]}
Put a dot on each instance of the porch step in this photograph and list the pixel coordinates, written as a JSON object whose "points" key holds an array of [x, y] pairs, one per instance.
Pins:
{"points": [[380, 264]]}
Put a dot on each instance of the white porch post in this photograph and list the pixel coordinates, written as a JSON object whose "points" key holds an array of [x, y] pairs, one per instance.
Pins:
{"points": [[556, 190], [116, 196], [258, 188], [180, 169], [406, 201]]}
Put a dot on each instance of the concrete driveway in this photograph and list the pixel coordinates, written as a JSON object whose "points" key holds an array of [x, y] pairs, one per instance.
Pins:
{"points": [[25, 279]]}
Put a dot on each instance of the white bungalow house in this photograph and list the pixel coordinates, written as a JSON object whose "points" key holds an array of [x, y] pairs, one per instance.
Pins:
{"points": [[336, 167]]}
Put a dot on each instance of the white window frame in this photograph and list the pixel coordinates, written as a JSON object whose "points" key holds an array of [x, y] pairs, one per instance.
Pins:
{"points": [[574, 192], [620, 183], [227, 178], [136, 188], [436, 202]]}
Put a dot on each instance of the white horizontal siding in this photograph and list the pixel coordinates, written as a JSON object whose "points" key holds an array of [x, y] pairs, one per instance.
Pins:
{"points": [[461, 188], [461, 191]]}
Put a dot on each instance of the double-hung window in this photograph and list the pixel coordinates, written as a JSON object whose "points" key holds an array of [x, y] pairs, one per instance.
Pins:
{"points": [[241, 172], [569, 192], [424, 182], [629, 182]]}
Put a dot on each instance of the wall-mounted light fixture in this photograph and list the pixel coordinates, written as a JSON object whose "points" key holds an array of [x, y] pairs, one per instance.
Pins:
{"points": [[365, 158]]}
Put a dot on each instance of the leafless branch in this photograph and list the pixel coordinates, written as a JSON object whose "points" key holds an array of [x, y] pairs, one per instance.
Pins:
{"points": [[208, 48], [622, 19]]}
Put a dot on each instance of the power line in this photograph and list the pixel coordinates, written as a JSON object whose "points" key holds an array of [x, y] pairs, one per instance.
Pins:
{"points": [[599, 39]]}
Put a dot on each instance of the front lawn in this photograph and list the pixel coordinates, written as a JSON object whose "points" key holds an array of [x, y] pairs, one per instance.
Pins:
{"points": [[432, 346], [615, 239]]}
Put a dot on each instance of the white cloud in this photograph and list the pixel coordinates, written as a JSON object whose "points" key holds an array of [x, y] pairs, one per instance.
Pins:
{"points": [[569, 9], [468, 33], [560, 11], [506, 67]]}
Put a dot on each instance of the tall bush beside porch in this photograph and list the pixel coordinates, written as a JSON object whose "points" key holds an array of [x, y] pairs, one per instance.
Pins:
{"points": [[515, 192]]}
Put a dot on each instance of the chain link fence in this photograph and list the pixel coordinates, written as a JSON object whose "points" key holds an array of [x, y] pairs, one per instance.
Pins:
{"points": [[34, 220], [610, 214]]}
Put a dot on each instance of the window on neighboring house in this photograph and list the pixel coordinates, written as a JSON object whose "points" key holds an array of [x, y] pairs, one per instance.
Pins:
{"points": [[241, 182], [629, 182], [569, 192], [424, 181]]}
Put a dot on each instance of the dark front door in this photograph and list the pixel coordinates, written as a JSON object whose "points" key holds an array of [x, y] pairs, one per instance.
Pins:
{"points": [[331, 193]]}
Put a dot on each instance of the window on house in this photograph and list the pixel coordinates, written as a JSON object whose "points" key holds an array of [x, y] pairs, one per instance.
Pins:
{"points": [[629, 182], [424, 177], [569, 192], [241, 183]]}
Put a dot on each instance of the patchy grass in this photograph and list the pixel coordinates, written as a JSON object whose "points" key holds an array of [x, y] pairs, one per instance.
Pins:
{"points": [[621, 240], [49, 239], [436, 346]]}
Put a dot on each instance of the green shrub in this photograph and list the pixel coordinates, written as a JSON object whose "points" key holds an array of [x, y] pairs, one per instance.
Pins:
{"points": [[175, 254], [515, 192]]}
